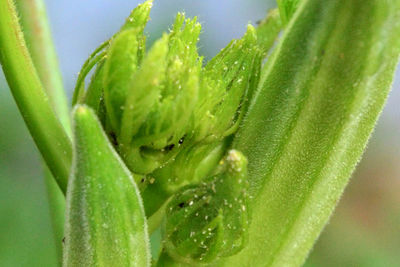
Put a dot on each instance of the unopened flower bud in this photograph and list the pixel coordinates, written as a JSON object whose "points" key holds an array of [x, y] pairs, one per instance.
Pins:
{"points": [[210, 220]]}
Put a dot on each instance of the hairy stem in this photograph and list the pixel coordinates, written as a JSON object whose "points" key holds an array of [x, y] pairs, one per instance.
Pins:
{"points": [[38, 39], [57, 210], [31, 98]]}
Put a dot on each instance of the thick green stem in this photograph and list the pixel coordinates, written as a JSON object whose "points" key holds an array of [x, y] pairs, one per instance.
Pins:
{"points": [[37, 35], [33, 20], [32, 100]]}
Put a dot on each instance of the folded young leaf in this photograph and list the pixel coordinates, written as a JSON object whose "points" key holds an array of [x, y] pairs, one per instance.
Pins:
{"points": [[105, 224], [310, 120]]}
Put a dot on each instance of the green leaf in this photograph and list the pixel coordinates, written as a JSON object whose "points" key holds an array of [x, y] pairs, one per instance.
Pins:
{"points": [[310, 120], [105, 224]]}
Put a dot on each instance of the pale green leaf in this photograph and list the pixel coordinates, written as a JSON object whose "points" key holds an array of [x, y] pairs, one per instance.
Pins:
{"points": [[310, 120]]}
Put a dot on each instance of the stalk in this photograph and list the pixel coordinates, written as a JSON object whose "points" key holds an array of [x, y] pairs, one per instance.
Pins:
{"points": [[38, 39], [57, 210], [37, 35], [31, 98]]}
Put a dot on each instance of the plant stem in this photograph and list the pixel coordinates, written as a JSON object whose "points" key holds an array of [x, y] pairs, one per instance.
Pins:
{"points": [[38, 39], [57, 210], [37, 35], [32, 101]]}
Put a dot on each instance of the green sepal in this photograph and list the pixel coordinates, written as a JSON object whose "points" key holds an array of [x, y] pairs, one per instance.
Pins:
{"points": [[105, 222], [209, 220], [97, 56], [121, 63], [224, 88], [138, 17], [94, 94], [136, 21], [124, 56]]}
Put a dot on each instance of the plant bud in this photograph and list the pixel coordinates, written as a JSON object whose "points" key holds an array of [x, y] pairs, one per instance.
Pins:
{"points": [[163, 105], [105, 222], [158, 109], [226, 83], [210, 220]]}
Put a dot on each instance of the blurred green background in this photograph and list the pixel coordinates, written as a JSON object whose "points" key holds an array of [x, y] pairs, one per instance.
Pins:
{"points": [[365, 229]]}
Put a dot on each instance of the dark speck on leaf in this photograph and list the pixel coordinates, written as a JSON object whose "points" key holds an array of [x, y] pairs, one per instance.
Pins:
{"points": [[170, 147], [113, 139]]}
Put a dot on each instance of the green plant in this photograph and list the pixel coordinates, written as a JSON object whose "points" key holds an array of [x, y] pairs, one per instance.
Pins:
{"points": [[235, 161]]}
